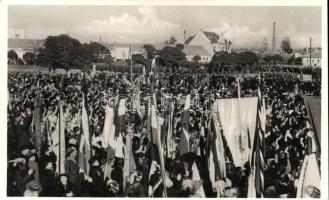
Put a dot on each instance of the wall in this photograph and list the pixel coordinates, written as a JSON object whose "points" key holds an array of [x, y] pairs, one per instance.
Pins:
{"points": [[316, 62]]}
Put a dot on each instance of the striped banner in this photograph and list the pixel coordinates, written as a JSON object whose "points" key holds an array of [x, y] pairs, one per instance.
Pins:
{"points": [[256, 178]]}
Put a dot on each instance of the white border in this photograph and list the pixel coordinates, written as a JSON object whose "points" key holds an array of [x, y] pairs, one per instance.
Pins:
{"points": [[3, 62]]}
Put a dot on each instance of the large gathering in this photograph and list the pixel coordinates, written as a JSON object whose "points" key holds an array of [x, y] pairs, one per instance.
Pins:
{"points": [[138, 101], [137, 159]]}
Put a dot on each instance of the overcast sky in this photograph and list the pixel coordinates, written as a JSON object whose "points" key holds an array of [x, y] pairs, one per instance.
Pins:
{"points": [[242, 25]]}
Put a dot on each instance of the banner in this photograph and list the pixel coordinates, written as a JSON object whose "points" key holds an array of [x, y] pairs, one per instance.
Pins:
{"points": [[238, 119], [309, 178], [313, 107]]}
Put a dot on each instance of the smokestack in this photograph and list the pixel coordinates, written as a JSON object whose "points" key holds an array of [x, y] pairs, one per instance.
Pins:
{"points": [[273, 39], [184, 36]]}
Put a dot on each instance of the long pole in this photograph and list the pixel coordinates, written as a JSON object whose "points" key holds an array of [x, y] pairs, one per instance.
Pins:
{"points": [[131, 63], [310, 51]]}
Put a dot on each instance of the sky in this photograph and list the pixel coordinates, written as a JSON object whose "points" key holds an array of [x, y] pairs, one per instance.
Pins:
{"points": [[244, 26]]}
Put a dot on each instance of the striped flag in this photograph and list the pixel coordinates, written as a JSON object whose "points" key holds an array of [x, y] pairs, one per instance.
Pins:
{"points": [[84, 145], [256, 178], [216, 155], [184, 145]]}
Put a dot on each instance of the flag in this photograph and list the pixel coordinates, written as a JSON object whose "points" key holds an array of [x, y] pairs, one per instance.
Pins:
{"points": [[153, 63], [37, 124], [309, 178], [196, 178], [108, 139], [313, 108], [238, 119], [129, 161], [58, 142], [216, 155], [185, 121], [84, 145], [256, 177], [169, 138]]}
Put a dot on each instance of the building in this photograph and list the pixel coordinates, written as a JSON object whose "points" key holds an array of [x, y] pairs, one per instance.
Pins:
{"points": [[193, 50], [210, 41], [315, 59], [22, 46], [121, 51], [16, 33]]}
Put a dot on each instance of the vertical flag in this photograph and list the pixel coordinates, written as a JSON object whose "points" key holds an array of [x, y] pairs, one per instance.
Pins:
{"points": [[108, 137], [37, 124], [309, 178], [84, 146], [185, 121], [256, 178], [58, 142], [216, 156], [196, 178]]}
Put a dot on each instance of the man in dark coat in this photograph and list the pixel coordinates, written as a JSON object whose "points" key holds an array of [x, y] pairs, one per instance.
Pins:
{"points": [[49, 181]]}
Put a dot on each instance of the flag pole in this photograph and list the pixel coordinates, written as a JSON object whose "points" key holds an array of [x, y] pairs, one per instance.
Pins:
{"points": [[131, 62]]}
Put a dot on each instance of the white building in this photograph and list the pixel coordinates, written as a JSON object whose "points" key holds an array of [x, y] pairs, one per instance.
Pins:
{"points": [[21, 46], [315, 59], [16, 33], [210, 41], [193, 50], [121, 51]]}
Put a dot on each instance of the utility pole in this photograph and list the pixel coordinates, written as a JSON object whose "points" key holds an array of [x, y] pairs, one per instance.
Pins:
{"points": [[310, 51]]}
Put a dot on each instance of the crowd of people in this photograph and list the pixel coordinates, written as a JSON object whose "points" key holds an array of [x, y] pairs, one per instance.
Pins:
{"points": [[32, 171]]}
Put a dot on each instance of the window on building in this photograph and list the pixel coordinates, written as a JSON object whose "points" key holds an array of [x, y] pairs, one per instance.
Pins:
{"points": [[214, 48], [318, 60]]}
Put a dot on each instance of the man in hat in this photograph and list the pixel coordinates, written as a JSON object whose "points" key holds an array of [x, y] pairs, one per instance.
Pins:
{"points": [[96, 174], [33, 188]]}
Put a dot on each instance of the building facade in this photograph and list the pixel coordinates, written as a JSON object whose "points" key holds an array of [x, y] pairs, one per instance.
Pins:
{"points": [[314, 61], [192, 51], [22, 46], [210, 41]]}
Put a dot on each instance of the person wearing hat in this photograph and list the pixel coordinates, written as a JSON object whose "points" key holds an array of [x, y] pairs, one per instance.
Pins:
{"points": [[72, 169], [117, 173], [33, 189], [49, 181], [96, 174]]}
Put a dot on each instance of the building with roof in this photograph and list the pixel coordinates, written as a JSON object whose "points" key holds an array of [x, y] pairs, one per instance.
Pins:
{"points": [[314, 61], [121, 51], [210, 41], [193, 50], [22, 46]]}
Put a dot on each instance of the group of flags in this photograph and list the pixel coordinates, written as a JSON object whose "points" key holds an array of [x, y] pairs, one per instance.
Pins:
{"points": [[241, 121]]}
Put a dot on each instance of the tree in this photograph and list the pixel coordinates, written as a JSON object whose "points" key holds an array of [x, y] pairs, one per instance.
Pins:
{"points": [[150, 51], [286, 46], [171, 56], [221, 58], [180, 46], [139, 59], [275, 59], [196, 58], [247, 57], [172, 40], [12, 56], [291, 60], [298, 61], [29, 58], [60, 51]]}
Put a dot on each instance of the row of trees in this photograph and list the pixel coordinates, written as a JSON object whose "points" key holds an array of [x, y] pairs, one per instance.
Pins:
{"points": [[63, 51]]}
